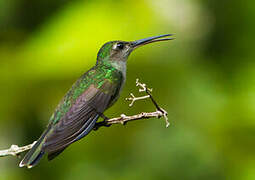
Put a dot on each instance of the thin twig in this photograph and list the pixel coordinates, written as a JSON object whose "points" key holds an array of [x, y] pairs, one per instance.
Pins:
{"points": [[133, 98], [144, 88], [15, 150], [123, 119]]}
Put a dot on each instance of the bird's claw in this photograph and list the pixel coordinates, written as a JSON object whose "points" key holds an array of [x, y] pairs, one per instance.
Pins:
{"points": [[102, 123]]}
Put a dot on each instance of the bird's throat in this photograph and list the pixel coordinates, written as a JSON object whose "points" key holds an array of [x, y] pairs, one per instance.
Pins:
{"points": [[120, 65]]}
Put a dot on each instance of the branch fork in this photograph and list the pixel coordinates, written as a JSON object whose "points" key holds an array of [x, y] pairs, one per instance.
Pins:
{"points": [[144, 88]]}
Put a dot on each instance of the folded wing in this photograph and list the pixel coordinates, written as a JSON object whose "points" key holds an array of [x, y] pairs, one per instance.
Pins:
{"points": [[80, 119]]}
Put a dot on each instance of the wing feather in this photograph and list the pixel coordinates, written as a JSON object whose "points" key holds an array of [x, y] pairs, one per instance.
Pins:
{"points": [[80, 119]]}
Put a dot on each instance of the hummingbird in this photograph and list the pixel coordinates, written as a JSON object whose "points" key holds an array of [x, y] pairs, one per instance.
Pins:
{"points": [[93, 93]]}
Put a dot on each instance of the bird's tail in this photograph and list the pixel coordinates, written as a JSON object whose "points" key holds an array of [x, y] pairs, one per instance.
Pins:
{"points": [[35, 154]]}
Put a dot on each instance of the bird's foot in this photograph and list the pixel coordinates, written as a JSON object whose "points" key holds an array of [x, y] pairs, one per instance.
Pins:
{"points": [[102, 123], [104, 117]]}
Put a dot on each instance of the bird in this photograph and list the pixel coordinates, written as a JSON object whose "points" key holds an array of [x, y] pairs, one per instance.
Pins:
{"points": [[93, 93]]}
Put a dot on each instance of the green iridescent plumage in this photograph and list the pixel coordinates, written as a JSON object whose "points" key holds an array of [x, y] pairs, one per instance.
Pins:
{"points": [[86, 101], [98, 76]]}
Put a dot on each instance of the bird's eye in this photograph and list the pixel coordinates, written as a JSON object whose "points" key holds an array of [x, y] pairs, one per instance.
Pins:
{"points": [[120, 45]]}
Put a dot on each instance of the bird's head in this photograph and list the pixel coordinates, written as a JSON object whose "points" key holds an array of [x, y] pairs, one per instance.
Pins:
{"points": [[117, 52]]}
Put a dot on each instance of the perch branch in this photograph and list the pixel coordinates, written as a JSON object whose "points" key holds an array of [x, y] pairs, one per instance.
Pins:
{"points": [[15, 150]]}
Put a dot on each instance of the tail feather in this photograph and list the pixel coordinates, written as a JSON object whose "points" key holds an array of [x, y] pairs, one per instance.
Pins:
{"points": [[34, 155], [36, 160], [54, 154]]}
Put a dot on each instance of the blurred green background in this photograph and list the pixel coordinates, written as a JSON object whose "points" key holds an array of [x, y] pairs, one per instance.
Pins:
{"points": [[205, 79]]}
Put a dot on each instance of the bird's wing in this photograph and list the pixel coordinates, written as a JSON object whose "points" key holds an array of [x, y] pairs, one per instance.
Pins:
{"points": [[81, 117]]}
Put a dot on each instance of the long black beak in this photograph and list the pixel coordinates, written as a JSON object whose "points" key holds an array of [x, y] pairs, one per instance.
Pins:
{"points": [[149, 40]]}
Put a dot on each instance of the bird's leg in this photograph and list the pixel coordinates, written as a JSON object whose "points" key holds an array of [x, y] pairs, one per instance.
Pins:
{"points": [[102, 123], [103, 116]]}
